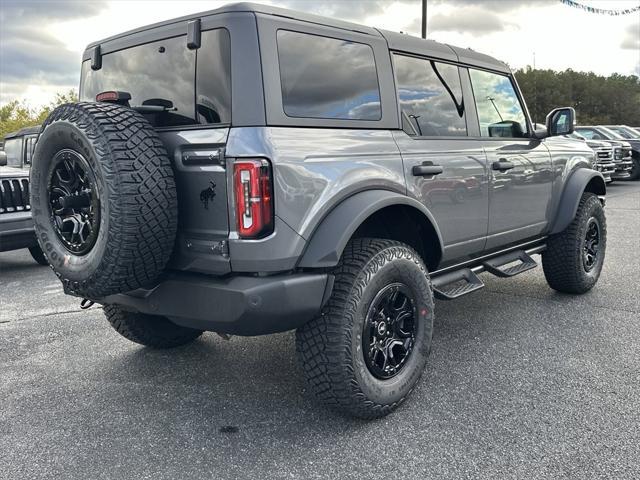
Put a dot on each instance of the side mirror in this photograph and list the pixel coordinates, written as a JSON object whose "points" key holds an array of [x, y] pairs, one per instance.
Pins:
{"points": [[3, 158], [506, 128], [560, 121]]}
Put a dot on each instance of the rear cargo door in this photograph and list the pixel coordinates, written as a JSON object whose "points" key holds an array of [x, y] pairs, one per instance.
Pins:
{"points": [[185, 93]]}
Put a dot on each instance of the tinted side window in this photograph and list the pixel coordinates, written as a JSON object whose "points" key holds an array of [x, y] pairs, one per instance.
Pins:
{"points": [[213, 78], [430, 97], [499, 109], [325, 77]]}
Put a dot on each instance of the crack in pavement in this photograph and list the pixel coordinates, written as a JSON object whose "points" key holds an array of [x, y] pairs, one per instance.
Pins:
{"points": [[48, 314]]}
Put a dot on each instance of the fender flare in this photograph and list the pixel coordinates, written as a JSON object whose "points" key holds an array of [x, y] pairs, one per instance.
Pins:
{"points": [[330, 238], [570, 198]]}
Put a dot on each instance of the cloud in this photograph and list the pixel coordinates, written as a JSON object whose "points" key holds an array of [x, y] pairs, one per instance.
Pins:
{"points": [[31, 55], [23, 11], [349, 10], [500, 6], [470, 19], [631, 40]]}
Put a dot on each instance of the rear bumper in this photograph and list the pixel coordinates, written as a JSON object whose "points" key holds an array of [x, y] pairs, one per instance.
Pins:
{"points": [[16, 231], [238, 305]]}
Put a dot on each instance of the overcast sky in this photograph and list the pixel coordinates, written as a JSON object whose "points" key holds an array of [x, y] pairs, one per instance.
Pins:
{"points": [[41, 41]]}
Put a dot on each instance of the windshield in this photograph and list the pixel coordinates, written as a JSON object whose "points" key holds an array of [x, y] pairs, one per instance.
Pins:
{"points": [[625, 132], [163, 73], [635, 132], [611, 134]]}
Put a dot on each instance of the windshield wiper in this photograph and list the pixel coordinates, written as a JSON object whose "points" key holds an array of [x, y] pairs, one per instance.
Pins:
{"points": [[153, 108], [155, 105]]}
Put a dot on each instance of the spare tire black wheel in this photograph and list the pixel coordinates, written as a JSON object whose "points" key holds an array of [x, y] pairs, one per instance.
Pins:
{"points": [[103, 199]]}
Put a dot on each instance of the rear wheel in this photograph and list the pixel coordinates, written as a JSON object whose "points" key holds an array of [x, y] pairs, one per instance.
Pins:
{"points": [[574, 258], [149, 330], [367, 350]]}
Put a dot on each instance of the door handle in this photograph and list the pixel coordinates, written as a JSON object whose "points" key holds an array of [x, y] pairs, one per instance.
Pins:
{"points": [[201, 158], [426, 170], [502, 165]]}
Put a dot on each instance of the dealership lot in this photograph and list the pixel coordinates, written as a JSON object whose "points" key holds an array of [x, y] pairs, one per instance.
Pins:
{"points": [[522, 382]]}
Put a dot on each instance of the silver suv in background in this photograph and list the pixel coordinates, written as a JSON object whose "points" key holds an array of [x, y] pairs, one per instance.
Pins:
{"points": [[627, 157], [604, 156], [16, 225]]}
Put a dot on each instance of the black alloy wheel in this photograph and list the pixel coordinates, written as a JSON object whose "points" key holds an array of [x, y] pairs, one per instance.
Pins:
{"points": [[388, 335], [364, 354], [74, 203], [573, 259], [591, 245]]}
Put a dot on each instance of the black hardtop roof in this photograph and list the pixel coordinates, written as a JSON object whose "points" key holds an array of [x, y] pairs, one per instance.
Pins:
{"points": [[396, 41], [22, 132]]}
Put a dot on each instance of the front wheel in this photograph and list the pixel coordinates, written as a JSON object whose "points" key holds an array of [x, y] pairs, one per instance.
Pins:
{"points": [[367, 350], [574, 258]]}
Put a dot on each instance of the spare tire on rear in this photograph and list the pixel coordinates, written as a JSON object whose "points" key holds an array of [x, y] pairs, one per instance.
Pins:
{"points": [[103, 199]]}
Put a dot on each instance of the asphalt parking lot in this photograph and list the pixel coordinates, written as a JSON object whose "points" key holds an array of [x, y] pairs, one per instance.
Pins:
{"points": [[522, 383]]}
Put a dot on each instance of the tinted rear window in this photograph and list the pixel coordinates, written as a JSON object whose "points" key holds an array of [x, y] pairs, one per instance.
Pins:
{"points": [[326, 77], [165, 71]]}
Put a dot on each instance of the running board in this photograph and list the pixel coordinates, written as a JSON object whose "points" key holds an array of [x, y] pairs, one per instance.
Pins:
{"points": [[456, 284], [495, 265], [464, 280]]}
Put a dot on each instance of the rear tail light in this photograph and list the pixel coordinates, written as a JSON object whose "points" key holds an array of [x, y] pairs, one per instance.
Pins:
{"points": [[253, 196]]}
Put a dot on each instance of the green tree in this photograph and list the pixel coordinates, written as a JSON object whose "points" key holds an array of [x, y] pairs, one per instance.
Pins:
{"points": [[597, 99], [16, 114]]}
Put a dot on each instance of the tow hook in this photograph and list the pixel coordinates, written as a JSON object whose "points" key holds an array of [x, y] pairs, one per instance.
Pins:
{"points": [[86, 303]]}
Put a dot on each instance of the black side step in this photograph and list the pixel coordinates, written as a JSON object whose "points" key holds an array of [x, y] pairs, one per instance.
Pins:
{"points": [[494, 265], [456, 284]]}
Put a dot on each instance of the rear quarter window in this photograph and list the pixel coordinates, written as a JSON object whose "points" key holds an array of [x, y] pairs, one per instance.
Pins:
{"points": [[328, 78]]}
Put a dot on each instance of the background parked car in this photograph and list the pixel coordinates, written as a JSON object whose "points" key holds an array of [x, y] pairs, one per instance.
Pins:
{"points": [[16, 224], [604, 156], [19, 146], [624, 131], [627, 159]]}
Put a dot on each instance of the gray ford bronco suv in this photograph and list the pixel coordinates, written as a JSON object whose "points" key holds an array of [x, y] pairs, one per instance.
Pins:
{"points": [[253, 170]]}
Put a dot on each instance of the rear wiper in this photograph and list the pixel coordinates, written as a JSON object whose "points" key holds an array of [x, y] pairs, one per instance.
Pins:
{"points": [[153, 108], [155, 105]]}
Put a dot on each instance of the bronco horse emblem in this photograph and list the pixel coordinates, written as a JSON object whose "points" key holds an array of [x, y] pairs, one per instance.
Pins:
{"points": [[207, 195]]}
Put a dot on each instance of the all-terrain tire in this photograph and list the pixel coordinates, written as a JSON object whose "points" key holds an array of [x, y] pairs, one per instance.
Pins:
{"points": [[38, 255], [563, 261], [330, 347], [136, 219], [149, 330]]}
